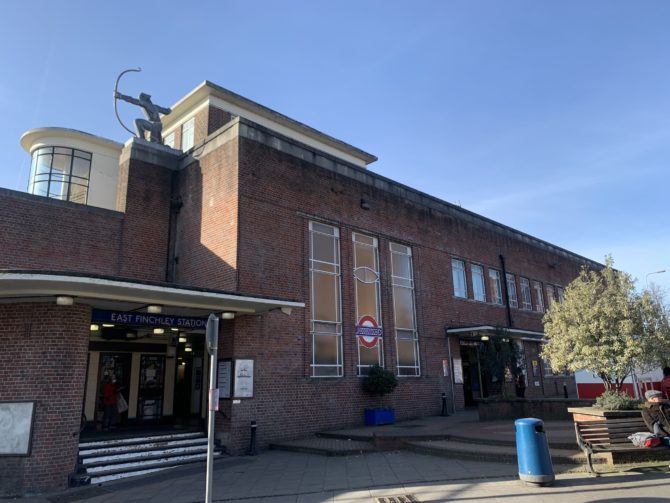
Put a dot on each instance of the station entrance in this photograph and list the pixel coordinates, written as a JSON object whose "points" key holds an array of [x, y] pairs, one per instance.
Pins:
{"points": [[155, 370]]}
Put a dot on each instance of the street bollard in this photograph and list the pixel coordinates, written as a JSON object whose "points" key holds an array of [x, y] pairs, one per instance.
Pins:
{"points": [[444, 405], [565, 390], [533, 452], [252, 440]]}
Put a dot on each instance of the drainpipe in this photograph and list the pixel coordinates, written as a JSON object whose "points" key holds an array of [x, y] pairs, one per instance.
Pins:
{"points": [[504, 282], [175, 206]]}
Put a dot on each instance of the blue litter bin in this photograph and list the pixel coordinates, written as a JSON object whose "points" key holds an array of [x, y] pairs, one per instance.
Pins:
{"points": [[533, 452]]}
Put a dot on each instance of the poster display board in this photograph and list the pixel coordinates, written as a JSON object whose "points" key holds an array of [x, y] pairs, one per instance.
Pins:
{"points": [[458, 371], [16, 428], [224, 378], [244, 379]]}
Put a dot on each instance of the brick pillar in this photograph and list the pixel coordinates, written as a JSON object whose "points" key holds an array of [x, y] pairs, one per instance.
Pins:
{"points": [[143, 195], [44, 352]]}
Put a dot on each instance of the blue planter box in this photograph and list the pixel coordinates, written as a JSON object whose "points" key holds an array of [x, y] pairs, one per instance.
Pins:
{"points": [[374, 417]]}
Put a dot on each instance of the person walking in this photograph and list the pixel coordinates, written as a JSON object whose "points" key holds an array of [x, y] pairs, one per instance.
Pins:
{"points": [[109, 401]]}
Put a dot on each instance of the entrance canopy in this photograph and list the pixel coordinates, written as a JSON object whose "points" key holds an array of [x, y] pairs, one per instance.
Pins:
{"points": [[114, 293], [487, 330]]}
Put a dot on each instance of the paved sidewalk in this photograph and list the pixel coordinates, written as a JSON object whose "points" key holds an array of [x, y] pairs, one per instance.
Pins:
{"points": [[287, 477]]}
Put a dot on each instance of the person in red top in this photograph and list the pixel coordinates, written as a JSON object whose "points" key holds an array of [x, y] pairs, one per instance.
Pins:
{"points": [[109, 401], [665, 383]]}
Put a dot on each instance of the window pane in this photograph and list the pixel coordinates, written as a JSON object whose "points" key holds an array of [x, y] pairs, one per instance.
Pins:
{"points": [[40, 188], [366, 300], [406, 354], [403, 306], [401, 265], [370, 356], [81, 167], [43, 163], [325, 349], [458, 278], [78, 193], [478, 288], [323, 248], [365, 256], [526, 302], [325, 296], [496, 287], [511, 291], [188, 134], [61, 163]]}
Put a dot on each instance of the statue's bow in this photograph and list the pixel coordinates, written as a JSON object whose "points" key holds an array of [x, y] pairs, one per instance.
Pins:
{"points": [[116, 90]]}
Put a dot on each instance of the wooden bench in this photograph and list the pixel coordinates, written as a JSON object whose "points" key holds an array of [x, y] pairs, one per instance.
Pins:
{"points": [[611, 435]]}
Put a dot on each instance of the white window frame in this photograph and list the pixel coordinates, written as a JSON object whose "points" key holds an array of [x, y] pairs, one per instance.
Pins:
{"points": [[511, 291], [496, 290], [408, 283], [188, 127], [526, 295], [539, 296], [549, 289], [458, 279], [478, 282], [315, 323], [361, 369]]}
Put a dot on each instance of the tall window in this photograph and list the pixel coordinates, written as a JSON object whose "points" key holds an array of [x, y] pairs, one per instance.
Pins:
{"points": [[526, 298], [511, 291], [324, 266], [539, 298], [188, 134], [561, 294], [406, 336], [550, 296], [60, 173], [478, 283], [496, 286], [458, 278], [368, 309]]}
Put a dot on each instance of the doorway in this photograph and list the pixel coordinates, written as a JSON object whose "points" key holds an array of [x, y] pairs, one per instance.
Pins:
{"points": [[115, 366], [472, 382]]}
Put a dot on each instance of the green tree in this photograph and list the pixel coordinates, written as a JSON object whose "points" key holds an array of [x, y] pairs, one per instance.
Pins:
{"points": [[606, 327]]}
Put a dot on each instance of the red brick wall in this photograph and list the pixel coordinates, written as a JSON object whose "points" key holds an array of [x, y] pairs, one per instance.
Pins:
{"points": [[206, 237], [277, 192], [53, 235], [142, 246], [44, 351], [216, 118]]}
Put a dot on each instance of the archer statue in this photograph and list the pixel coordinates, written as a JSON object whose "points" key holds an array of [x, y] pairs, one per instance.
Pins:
{"points": [[152, 123]]}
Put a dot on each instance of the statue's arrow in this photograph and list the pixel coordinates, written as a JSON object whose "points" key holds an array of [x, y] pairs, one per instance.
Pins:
{"points": [[116, 89]]}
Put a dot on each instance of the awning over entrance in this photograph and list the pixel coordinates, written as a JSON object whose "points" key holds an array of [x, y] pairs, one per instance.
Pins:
{"points": [[488, 330], [113, 293]]}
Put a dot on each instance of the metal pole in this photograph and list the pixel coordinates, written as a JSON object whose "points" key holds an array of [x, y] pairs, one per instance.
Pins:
{"points": [[212, 347]]}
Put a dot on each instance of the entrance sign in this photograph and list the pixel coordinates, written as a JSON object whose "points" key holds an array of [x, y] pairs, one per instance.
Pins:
{"points": [[149, 320], [368, 331]]}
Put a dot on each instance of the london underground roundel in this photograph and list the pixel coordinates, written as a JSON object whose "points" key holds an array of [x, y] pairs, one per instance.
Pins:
{"points": [[368, 331]]}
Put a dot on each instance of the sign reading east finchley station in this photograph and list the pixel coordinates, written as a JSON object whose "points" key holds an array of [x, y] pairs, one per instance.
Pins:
{"points": [[148, 320]]}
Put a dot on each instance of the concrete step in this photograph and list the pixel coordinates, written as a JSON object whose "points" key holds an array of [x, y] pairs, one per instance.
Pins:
{"points": [[132, 440], [325, 446], [494, 453], [118, 471], [111, 450], [148, 455]]}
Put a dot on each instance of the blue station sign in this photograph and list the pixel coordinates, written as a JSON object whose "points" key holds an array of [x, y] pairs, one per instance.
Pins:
{"points": [[148, 320]]}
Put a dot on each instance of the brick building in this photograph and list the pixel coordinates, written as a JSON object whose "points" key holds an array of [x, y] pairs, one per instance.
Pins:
{"points": [[321, 267]]}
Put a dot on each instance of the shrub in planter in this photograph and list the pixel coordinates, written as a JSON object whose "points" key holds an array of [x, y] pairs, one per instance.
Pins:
{"points": [[379, 382], [616, 400]]}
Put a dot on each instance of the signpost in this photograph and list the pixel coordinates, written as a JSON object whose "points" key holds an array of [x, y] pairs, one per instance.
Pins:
{"points": [[212, 348]]}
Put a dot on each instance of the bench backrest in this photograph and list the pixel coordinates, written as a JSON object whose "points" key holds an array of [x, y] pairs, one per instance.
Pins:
{"points": [[609, 432]]}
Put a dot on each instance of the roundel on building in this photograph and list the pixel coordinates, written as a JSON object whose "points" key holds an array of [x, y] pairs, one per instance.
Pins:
{"points": [[368, 331]]}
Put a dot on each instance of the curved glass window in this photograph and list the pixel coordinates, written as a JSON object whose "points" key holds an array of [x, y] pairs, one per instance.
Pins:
{"points": [[61, 173]]}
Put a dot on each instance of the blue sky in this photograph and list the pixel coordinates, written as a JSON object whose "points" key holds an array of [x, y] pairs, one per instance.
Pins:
{"points": [[550, 117]]}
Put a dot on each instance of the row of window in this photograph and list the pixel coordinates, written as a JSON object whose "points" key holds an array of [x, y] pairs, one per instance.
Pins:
{"points": [[187, 136], [326, 303], [531, 293], [60, 173]]}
